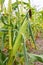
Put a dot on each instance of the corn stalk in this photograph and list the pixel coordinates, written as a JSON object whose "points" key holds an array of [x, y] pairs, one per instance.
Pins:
{"points": [[9, 21], [1, 5]]}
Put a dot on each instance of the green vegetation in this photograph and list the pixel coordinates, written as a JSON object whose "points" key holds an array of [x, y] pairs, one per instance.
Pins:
{"points": [[20, 23]]}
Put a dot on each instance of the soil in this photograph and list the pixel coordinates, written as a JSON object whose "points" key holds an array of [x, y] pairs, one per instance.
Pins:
{"points": [[39, 44]]}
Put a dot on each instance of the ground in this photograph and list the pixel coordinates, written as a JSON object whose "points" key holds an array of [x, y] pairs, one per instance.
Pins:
{"points": [[39, 43]]}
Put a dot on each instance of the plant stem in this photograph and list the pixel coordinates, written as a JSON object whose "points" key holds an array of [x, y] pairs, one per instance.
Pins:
{"points": [[9, 21]]}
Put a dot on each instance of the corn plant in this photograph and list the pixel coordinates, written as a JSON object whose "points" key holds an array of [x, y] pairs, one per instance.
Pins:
{"points": [[13, 34]]}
